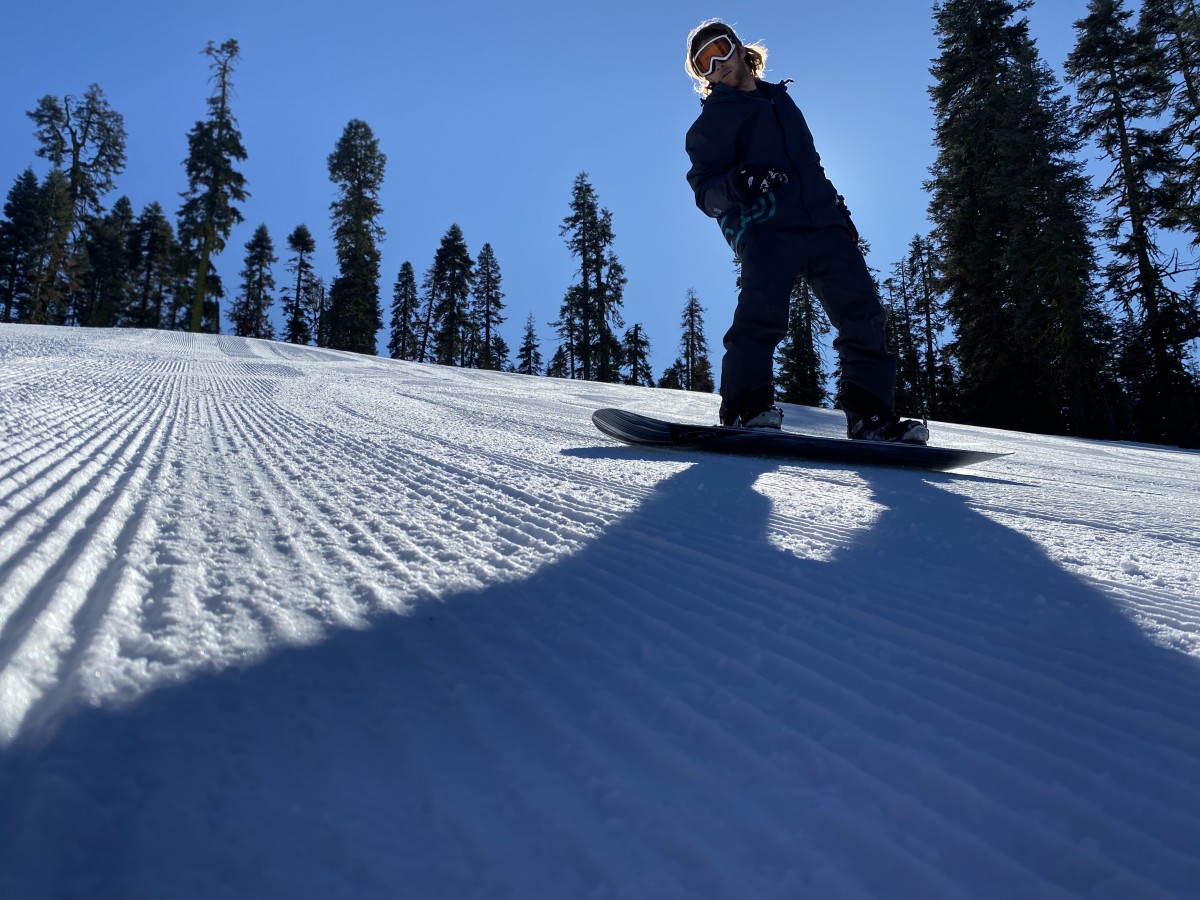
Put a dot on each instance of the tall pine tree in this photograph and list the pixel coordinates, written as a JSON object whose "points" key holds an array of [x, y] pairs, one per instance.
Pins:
{"points": [[249, 312], [1011, 207], [356, 166], [452, 277], [1122, 89], [591, 310], [489, 310], [209, 213], [297, 298], [402, 343], [84, 138]]}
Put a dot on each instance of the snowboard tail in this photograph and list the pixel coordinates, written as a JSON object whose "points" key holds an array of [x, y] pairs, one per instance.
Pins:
{"points": [[644, 431]]}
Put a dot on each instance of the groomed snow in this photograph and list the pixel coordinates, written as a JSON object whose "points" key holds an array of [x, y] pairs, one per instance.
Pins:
{"points": [[284, 622]]}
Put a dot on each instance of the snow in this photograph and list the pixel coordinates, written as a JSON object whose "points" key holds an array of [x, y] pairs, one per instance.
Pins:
{"points": [[284, 622]]}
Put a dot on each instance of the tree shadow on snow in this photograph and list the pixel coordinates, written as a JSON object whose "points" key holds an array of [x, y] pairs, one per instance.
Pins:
{"points": [[680, 710]]}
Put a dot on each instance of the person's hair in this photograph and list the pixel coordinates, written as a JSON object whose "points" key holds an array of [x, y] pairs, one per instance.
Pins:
{"points": [[755, 54]]}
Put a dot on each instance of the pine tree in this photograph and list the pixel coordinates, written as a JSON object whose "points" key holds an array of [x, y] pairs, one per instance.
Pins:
{"points": [[453, 276], [694, 367], [529, 356], [1172, 29], [403, 341], [1011, 206], [105, 281], [672, 376], [1121, 89], [801, 374], [85, 139], [635, 350], [21, 233], [559, 366], [297, 297], [151, 251], [591, 309], [489, 307], [208, 214], [249, 315], [318, 305], [356, 166]]}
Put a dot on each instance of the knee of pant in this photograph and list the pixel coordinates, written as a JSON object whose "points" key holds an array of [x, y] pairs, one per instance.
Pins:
{"points": [[869, 331]]}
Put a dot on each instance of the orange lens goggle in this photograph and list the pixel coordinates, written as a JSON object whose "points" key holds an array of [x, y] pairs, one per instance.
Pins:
{"points": [[711, 53]]}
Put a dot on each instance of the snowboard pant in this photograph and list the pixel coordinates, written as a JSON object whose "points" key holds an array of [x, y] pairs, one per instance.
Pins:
{"points": [[834, 268]]}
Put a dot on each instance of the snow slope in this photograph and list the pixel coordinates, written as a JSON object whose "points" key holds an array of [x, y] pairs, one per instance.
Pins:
{"points": [[284, 622]]}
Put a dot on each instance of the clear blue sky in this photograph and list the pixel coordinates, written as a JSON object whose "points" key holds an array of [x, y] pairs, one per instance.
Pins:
{"points": [[487, 115]]}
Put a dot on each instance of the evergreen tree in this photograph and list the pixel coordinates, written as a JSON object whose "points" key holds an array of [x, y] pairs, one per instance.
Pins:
{"points": [[696, 372], [85, 139], [51, 264], [801, 375], [208, 214], [529, 356], [249, 315], [672, 376], [591, 309], [318, 304], [1172, 29], [1011, 206], [21, 233], [1121, 89], [489, 307], [635, 350], [559, 366], [405, 323], [356, 166], [927, 322], [151, 251], [105, 281], [297, 298], [453, 276]]}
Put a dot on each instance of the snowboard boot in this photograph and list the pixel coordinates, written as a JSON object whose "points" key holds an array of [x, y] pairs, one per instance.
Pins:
{"points": [[885, 427], [771, 417]]}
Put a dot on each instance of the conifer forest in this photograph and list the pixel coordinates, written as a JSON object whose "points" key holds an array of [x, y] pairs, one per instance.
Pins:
{"points": [[1048, 295]]}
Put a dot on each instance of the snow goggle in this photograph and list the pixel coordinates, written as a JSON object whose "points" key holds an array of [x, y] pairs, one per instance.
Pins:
{"points": [[712, 52]]}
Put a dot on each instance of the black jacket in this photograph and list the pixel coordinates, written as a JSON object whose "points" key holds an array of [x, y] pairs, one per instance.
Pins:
{"points": [[758, 128]]}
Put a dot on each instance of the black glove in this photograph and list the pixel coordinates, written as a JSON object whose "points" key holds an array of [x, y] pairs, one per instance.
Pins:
{"points": [[849, 222], [754, 181]]}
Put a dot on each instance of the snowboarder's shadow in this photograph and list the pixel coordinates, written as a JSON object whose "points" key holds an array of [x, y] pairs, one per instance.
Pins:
{"points": [[682, 703]]}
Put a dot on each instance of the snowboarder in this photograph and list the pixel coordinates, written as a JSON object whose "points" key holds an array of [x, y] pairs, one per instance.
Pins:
{"points": [[755, 169]]}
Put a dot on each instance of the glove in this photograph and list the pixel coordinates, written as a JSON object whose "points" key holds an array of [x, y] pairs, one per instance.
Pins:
{"points": [[754, 181], [849, 222]]}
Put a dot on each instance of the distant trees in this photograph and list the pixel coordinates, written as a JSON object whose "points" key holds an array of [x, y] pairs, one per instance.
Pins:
{"points": [[215, 186]]}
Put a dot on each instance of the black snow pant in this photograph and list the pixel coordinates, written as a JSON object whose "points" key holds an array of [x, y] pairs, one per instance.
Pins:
{"points": [[834, 268]]}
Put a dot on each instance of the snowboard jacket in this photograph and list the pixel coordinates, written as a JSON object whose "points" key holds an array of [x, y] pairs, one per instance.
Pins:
{"points": [[759, 128]]}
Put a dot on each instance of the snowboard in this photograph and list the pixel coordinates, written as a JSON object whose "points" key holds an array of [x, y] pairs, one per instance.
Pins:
{"points": [[644, 431]]}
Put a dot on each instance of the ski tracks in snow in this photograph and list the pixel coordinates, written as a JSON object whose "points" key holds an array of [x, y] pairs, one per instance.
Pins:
{"points": [[461, 644]]}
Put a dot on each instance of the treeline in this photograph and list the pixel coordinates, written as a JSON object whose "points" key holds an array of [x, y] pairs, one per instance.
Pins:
{"points": [[65, 260], [1039, 301]]}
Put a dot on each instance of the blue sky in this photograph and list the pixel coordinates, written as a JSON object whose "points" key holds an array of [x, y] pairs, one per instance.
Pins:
{"points": [[487, 115]]}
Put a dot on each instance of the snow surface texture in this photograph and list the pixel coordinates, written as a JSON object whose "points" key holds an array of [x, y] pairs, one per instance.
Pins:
{"points": [[284, 622]]}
